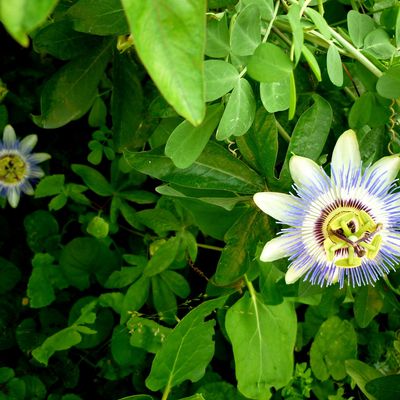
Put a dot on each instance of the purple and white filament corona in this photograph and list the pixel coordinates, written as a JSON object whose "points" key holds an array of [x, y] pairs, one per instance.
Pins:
{"points": [[346, 225]]}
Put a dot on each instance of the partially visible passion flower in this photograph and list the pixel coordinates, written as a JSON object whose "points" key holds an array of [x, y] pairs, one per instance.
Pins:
{"points": [[18, 165], [346, 225]]}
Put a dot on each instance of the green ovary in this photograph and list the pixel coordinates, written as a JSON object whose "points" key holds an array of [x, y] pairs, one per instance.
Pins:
{"points": [[354, 232], [12, 169]]}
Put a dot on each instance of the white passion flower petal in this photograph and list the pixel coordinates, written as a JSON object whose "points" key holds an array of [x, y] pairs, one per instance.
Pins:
{"points": [[9, 137], [276, 248], [13, 196], [28, 143], [346, 153], [295, 272], [279, 206], [306, 172], [386, 169]]}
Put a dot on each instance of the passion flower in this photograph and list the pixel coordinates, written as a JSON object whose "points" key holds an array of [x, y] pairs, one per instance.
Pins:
{"points": [[18, 166], [337, 227]]}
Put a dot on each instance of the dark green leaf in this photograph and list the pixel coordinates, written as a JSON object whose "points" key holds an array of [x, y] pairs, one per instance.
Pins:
{"points": [[9, 275], [71, 91], [335, 342], [93, 179], [367, 305], [362, 373], [187, 350], [61, 41], [388, 84], [163, 257], [164, 300], [310, 133], [385, 388], [263, 339], [269, 63], [239, 112], [260, 146], [126, 103], [176, 64], [187, 142], [99, 18], [135, 297], [216, 168], [176, 282]]}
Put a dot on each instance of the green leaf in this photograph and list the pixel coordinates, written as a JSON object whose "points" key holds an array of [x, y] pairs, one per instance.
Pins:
{"points": [[42, 231], [228, 203], [246, 31], [216, 168], [385, 388], [220, 391], [40, 290], [164, 300], [269, 63], [135, 297], [312, 62], [266, 7], [147, 334], [21, 17], [9, 275], [196, 396], [319, 22], [368, 109], [217, 44], [70, 92], [63, 42], [367, 305], [362, 373], [275, 96], [219, 78], [124, 277], [335, 342], [61, 340], [176, 282], [121, 349], [388, 84], [263, 339], [259, 147], [50, 186], [175, 64], [93, 179], [159, 220], [310, 134], [294, 18], [103, 18], [137, 397], [163, 257], [80, 258], [359, 26], [377, 43], [241, 242], [187, 142], [6, 374], [239, 112], [126, 103], [187, 350], [334, 65]]}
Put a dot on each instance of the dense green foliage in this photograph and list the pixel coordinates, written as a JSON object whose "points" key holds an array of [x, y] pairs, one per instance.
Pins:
{"points": [[133, 272]]}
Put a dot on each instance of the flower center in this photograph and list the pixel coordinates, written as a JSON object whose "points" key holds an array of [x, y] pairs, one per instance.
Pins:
{"points": [[349, 235], [12, 168]]}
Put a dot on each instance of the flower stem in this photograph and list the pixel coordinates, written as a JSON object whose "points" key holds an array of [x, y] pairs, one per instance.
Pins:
{"points": [[209, 247], [282, 131]]}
